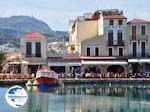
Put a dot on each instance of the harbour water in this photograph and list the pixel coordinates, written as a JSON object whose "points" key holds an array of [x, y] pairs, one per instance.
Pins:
{"points": [[84, 98]]}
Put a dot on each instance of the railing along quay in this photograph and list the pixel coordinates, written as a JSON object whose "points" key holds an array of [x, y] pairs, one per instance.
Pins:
{"points": [[105, 80]]}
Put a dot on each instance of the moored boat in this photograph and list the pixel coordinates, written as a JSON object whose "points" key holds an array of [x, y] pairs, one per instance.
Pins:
{"points": [[46, 77]]}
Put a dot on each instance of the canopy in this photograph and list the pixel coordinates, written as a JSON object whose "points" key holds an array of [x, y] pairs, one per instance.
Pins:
{"points": [[64, 63], [139, 60], [144, 61], [105, 62], [18, 62], [133, 60]]}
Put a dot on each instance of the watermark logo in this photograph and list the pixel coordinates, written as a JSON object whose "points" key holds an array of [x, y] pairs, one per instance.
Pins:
{"points": [[16, 96]]}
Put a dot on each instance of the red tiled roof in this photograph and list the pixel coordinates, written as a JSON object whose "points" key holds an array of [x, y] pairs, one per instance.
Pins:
{"points": [[34, 35], [115, 17], [136, 20]]}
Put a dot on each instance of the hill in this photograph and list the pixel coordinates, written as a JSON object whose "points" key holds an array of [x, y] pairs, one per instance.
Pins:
{"points": [[11, 28]]}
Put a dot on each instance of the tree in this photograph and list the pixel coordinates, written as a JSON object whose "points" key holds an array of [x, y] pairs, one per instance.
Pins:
{"points": [[2, 60]]}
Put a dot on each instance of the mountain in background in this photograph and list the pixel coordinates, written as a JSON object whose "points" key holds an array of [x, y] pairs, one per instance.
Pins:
{"points": [[11, 28]]}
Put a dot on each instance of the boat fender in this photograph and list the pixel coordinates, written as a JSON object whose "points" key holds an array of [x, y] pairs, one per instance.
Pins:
{"points": [[29, 82], [35, 82]]}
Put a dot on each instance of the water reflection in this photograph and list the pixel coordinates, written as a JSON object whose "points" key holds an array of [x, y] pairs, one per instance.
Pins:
{"points": [[97, 98]]}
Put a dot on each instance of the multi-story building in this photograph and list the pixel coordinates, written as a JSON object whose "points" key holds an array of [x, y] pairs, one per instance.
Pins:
{"points": [[100, 40], [33, 50], [139, 42]]}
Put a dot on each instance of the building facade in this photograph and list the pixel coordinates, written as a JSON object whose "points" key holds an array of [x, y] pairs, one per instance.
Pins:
{"points": [[139, 50], [100, 39], [99, 42], [34, 51]]}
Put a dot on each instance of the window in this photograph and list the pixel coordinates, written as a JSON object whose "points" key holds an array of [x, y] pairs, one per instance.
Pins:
{"points": [[120, 51], [88, 51], [110, 51], [143, 30], [147, 67], [38, 49], [72, 47], [96, 51], [119, 35], [134, 49], [28, 49], [110, 37], [120, 22], [133, 32], [143, 49], [111, 22]]}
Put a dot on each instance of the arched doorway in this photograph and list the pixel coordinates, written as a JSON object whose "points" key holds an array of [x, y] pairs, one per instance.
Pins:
{"points": [[92, 69], [115, 69]]}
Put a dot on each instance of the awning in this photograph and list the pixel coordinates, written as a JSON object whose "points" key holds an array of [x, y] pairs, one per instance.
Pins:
{"points": [[64, 63], [144, 61], [133, 60], [18, 62], [105, 62], [139, 60], [37, 62]]}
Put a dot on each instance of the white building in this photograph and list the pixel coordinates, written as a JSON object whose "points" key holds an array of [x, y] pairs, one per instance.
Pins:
{"points": [[139, 45], [100, 39], [99, 42], [33, 50]]}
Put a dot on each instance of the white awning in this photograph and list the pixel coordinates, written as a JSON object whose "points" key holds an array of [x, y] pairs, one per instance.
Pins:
{"points": [[18, 62], [37, 62], [104, 62], [133, 60], [139, 60], [64, 63], [144, 61], [25, 62], [14, 63]]}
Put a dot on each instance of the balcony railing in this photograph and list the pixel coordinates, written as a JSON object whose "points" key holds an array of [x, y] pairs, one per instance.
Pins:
{"points": [[138, 37], [116, 43]]}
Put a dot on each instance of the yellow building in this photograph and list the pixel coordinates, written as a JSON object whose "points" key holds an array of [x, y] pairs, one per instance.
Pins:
{"points": [[100, 39]]}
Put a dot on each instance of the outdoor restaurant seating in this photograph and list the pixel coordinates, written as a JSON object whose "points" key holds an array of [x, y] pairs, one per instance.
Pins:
{"points": [[115, 75], [109, 75], [4, 76]]}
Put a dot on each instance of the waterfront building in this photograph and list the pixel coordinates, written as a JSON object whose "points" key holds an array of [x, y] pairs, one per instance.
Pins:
{"points": [[33, 50], [139, 45], [100, 39], [99, 42]]}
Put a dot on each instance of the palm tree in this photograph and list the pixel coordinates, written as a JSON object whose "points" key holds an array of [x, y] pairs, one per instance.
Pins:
{"points": [[2, 60]]}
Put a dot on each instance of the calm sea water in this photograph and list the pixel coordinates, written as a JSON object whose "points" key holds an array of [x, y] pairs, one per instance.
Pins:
{"points": [[84, 98]]}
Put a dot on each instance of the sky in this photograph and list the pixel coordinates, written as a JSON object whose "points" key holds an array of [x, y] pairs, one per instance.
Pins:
{"points": [[57, 13]]}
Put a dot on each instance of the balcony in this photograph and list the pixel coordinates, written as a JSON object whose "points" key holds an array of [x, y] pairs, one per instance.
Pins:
{"points": [[115, 43], [138, 37]]}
